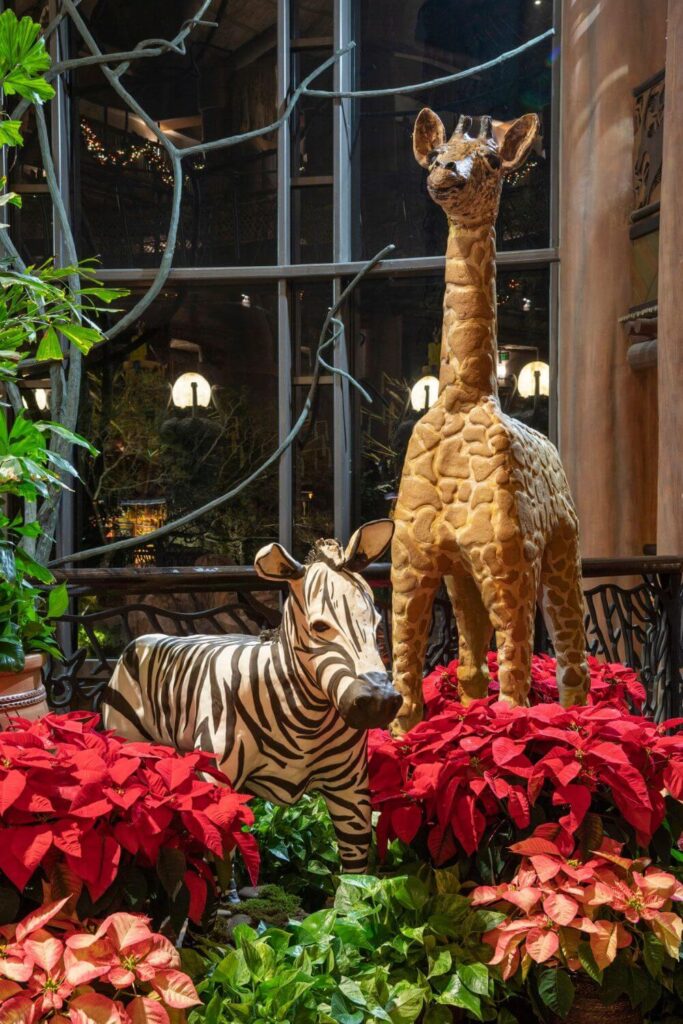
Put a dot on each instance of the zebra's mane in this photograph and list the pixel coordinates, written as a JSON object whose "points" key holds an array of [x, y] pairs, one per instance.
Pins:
{"points": [[330, 552]]}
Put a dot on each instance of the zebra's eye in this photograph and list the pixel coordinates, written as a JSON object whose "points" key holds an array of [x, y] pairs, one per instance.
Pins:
{"points": [[320, 627]]}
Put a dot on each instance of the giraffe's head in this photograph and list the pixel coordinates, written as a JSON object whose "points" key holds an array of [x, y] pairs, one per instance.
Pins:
{"points": [[466, 172]]}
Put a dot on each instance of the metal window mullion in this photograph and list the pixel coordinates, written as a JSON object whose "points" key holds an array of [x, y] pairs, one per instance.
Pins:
{"points": [[554, 225], [341, 254], [284, 252]]}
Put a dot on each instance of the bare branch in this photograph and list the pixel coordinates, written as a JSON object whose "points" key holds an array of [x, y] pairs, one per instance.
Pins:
{"points": [[400, 90], [162, 531]]}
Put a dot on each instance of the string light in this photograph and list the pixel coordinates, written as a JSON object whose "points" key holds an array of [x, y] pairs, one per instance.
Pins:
{"points": [[520, 176], [123, 156]]}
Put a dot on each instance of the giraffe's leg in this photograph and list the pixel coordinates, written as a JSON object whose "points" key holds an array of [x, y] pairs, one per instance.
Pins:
{"points": [[474, 636], [562, 602], [411, 618], [512, 607], [349, 807]]}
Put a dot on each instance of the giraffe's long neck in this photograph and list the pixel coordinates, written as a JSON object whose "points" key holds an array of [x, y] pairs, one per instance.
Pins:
{"points": [[469, 354]]}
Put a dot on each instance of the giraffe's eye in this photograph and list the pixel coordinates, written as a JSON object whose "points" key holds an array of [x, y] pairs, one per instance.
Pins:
{"points": [[493, 160]]}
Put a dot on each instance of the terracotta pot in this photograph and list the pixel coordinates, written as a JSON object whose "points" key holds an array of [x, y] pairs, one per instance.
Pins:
{"points": [[587, 1007], [22, 693]]}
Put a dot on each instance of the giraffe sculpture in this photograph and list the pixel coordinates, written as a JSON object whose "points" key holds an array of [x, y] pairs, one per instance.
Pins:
{"points": [[483, 500]]}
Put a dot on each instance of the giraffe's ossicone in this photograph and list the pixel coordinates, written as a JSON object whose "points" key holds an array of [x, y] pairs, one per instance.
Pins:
{"points": [[483, 501]]}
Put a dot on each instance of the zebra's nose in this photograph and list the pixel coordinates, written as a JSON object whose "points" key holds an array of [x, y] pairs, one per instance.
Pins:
{"points": [[370, 702]]}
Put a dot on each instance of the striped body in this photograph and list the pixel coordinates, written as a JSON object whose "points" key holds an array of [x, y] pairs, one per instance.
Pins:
{"points": [[283, 717]]}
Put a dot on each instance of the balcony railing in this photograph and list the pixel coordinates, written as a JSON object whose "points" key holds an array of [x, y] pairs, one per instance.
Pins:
{"points": [[633, 617]]}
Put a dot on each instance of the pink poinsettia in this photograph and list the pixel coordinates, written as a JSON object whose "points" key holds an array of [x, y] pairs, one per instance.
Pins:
{"points": [[607, 900], [135, 969]]}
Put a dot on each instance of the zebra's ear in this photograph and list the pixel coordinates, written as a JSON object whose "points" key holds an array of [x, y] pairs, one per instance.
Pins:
{"points": [[367, 544], [274, 563]]}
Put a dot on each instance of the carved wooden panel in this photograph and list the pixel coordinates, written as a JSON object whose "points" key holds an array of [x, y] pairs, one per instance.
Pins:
{"points": [[647, 149]]}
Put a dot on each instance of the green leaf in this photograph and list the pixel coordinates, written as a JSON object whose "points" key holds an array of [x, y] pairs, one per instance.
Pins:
{"points": [[588, 963], [438, 1015], [475, 977], [455, 994], [440, 963], [171, 867], [8, 568], [32, 568], [57, 601], [82, 337], [405, 1005], [11, 654], [343, 1011], [556, 991], [10, 133], [654, 954], [49, 347], [47, 426]]}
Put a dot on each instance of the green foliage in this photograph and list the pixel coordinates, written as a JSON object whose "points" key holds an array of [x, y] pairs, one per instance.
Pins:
{"points": [[397, 949], [38, 308], [23, 59], [298, 848]]}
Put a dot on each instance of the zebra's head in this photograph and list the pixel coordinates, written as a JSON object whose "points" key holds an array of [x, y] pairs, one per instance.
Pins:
{"points": [[330, 623]]}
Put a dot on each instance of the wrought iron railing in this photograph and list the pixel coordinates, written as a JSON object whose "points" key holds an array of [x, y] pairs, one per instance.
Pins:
{"points": [[633, 617]]}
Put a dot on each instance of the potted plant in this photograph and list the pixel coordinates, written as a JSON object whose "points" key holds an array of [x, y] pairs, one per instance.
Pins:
{"points": [[43, 311], [594, 939]]}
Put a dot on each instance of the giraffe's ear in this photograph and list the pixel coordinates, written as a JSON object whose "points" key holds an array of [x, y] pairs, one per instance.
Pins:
{"points": [[274, 563], [428, 134], [367, 544], [515, 139]]}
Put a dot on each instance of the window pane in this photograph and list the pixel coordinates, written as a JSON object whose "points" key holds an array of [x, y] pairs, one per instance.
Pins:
{"points": [[311, 19], [396, 340], [312, 165], [160, 461], [31, 224], [417, 41], [224, 85], [313, 460]]}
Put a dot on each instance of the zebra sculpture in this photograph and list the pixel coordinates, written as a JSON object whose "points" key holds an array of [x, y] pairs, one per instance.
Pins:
{"points": [[284, 716]]}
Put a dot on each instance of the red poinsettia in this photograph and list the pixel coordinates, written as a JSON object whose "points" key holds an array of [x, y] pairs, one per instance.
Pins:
{"points": [[464, 770], [81, 803], [610, 682]]}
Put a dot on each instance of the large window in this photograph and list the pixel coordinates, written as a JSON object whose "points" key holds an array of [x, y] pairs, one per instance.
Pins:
{"points": [[270, 232]]}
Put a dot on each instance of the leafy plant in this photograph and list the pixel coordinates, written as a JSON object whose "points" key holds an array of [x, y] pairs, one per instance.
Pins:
{"points": [[116, 970], [116, 825], [397, 950], [37, 306], [609, 917], [298, 848]]}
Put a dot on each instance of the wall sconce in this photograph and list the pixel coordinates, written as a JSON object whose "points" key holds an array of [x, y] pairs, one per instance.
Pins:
{"points": [[190, 391], [42, 397], [424, 393], [534, 380]]}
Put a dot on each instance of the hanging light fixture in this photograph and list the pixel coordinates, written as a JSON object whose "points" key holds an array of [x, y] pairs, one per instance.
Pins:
{"points": [[534, 379], [424, 393], [190, 391]]}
